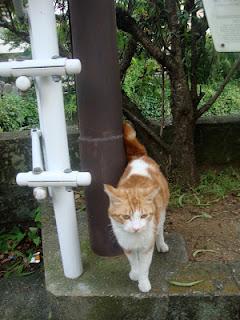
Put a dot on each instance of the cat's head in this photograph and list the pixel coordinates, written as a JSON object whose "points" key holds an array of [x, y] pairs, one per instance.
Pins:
{"points": [[131, 208]]}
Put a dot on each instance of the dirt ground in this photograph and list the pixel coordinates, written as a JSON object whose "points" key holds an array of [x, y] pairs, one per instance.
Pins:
{"points": [[217, 229]]}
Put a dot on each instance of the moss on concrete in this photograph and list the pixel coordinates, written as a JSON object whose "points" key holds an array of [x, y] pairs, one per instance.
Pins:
{"points": [[104, 291]]}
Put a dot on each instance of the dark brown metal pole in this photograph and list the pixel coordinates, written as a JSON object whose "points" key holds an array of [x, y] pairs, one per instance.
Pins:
{"points": [[102, 152]]}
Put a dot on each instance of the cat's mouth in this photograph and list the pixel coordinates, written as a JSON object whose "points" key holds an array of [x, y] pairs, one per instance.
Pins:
{"points": [[135, 231]]}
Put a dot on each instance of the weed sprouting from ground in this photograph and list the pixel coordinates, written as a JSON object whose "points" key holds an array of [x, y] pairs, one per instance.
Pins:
{"points": [[17, 247], [214, 186]]}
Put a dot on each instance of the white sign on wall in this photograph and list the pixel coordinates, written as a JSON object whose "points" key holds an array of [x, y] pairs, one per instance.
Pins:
{"points": [[224, 21]]}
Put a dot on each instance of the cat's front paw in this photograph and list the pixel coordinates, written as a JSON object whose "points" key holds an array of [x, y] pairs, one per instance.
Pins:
{"points": [[163, 247], [144, 285], [133, 275]]}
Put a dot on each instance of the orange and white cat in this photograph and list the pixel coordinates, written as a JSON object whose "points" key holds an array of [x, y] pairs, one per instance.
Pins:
{"points": [[137, 209]]}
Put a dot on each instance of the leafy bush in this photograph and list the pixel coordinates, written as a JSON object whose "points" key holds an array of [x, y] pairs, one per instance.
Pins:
{"points": [[70, 105], [143, 85], [221, 64], [227, 103], [17, 112], [20, 112]]}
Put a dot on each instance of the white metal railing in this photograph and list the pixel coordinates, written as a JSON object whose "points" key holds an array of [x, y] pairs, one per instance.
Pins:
{"points": [[47, 67], [50, 155], [54, 179]]}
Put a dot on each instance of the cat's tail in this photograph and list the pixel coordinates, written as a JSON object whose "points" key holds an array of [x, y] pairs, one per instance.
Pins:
{"points": [[134, 148]]}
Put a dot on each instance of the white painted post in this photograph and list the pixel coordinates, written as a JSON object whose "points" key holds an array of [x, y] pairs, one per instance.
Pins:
{"points": [[54, 135]]}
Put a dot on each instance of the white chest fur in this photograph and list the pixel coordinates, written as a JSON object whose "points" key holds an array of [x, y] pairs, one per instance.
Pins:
{"points": [[134, 241]]}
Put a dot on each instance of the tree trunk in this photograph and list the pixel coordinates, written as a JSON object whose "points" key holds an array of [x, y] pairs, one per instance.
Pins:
{"points": [[184, 170]]}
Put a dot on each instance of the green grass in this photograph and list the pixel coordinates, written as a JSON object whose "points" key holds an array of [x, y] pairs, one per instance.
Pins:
{"points": [[214, 185]]}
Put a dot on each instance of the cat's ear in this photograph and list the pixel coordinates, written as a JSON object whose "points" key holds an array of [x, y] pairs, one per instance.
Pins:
{"points": [[112, 193], [151, 193]]}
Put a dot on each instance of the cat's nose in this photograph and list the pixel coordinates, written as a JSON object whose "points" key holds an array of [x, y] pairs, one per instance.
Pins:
{"points": [[136, 229]]}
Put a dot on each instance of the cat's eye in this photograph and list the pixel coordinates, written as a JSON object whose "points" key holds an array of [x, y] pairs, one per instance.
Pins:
{"points": [[126, 217], [143, 216]]}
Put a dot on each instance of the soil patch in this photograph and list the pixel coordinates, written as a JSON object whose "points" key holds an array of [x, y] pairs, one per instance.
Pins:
{"points": [[215, 227]]}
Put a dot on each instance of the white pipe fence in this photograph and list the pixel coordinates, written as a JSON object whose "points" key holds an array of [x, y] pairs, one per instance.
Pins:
{"points": [[41, 67], [52, 169]]}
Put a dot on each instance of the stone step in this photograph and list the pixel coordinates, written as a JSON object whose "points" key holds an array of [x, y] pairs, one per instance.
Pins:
{"points": [[104, 291]]}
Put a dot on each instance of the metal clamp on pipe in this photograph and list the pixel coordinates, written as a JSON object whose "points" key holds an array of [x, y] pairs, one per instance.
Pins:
{"points": [[47, 67], [54, 179]]}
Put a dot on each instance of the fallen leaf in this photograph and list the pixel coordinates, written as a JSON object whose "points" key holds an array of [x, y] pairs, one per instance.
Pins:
{"points": [[204, 215], [180, 200], [185, 284], [195, 253]]}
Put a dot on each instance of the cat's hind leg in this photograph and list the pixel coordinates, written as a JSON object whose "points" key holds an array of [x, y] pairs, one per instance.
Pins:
{"points": [[160, 243], [134, 263]]}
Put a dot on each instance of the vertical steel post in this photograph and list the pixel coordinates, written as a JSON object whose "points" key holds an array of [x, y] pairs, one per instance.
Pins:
{"points": [[102, 152], [44, 45]]}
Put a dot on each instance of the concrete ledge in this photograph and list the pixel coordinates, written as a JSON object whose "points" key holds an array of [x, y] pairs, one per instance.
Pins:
{"points": [[24, 298], [105, 292]]}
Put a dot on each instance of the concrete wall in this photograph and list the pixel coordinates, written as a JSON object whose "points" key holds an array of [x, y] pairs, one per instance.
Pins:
{"points": [[217, 142], [17, 203]]}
